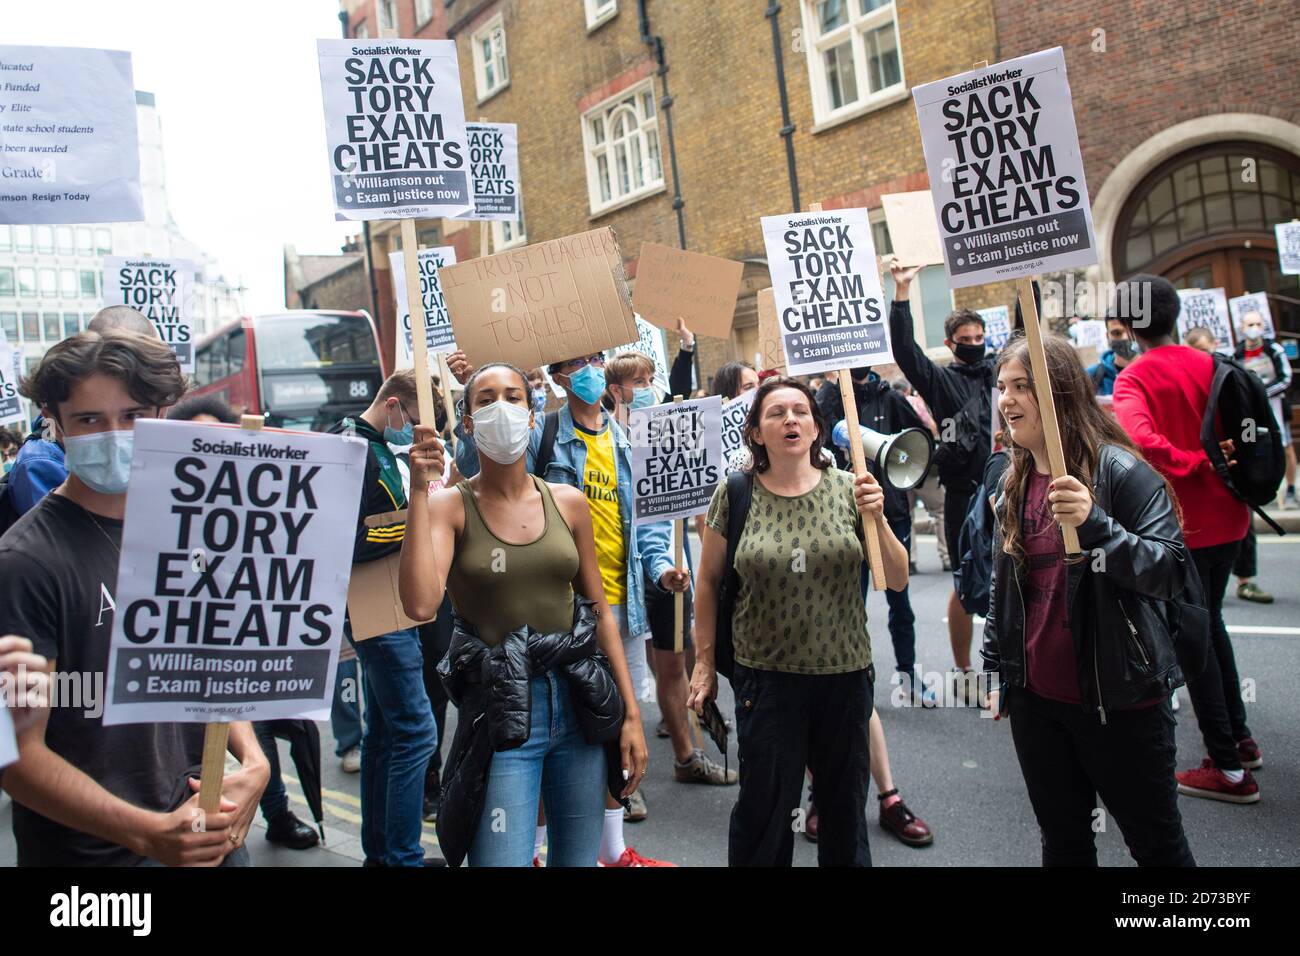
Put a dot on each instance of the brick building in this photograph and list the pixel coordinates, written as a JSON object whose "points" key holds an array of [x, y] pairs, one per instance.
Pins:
{"points": [[325, 282]]}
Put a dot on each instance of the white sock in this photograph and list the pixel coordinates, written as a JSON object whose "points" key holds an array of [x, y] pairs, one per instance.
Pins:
{"points": [[611, 838], [1234, 776], [539, 838]]}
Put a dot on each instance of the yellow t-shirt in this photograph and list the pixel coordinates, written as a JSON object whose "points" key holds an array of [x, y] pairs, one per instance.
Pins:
{"points": [[600, 485]]}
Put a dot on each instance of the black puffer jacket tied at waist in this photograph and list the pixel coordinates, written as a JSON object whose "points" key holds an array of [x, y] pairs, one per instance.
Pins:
{"points": [[491, 688]]}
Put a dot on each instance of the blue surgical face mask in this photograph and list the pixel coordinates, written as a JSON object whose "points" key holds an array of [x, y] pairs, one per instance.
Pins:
{"points": [[8, 465], [400, 436], [643, 397], [101, 461], [588, 383]]}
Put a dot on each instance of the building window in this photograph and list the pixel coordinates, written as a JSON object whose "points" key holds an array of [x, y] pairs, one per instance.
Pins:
{"points": [[6, 238], [27, 283], [23, 238], [50, 322], [491, 75], [85, 241], [103, 242], [63, 240], [361, 32], [49, 284], [68, 283], [423, 13], [9, 325], [506, 235], [70, 324], [622, 139], [44, 239], [599, 11], [853, 58], [7, 288], [89, 284], [31, 327], [387, 15]]}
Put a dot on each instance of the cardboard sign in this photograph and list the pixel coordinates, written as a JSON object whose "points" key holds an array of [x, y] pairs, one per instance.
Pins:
{"points": [[494, 171], [673, 283], [68, 141], [543, 303], [235, 553], [1207, 308], [1090, 333], [395, 127], [650, 343], [1005, 170], [1288, 246], [437, 323], [676, 458], [912, 229], [1252, 302], [374, 604], [770, 351], [160, 289], [829, 304], [734, 414], [997, 326], [11, 370]]}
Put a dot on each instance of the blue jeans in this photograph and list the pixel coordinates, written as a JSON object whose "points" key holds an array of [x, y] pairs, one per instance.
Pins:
{"points": [[345, 714], [275, 799], [902, 620], [400, 737], [569, 774]]}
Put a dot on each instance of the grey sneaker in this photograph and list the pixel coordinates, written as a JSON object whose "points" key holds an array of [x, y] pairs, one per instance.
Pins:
{"points": [[638, 811], [700, 769], [351, 760]]}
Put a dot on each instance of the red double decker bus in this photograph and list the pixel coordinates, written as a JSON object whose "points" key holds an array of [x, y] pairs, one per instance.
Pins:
{"points": [[301, 369]]}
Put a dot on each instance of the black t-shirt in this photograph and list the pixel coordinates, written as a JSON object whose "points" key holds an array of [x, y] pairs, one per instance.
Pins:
{"points": [[58, 573]]}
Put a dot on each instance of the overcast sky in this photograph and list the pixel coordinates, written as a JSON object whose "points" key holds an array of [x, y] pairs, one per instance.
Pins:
{"points": [[238, 94]]}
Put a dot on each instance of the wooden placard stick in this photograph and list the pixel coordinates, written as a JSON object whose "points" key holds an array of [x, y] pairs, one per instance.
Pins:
{"points": [[874, 556], [216, 735], [1046, 406], [679, 606]]}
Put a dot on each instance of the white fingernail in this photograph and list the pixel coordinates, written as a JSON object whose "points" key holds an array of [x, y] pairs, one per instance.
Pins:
{"points": [[625, 774]]}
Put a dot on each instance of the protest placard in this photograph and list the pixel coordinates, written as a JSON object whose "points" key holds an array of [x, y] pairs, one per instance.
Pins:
{"points": [[437, 323], [1005, 170], [494, 171], [734, 414], [1088, 333], [912, 230], [771, 354], [650, 343], [395, 127], [160, 289], [68, 145], [543, 303], [1288, 246], [11, 369], [1252, 302], [676, 458], [829, 304], [234, 562], [997, 326], [1206, 308], [674, 284], [8, 742]]}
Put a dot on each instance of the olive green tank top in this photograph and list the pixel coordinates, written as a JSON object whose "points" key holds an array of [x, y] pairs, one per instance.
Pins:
{"points": [[499, 587]]}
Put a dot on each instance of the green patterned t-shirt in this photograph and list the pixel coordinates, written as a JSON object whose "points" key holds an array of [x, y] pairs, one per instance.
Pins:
{"points": [[799, 608]]}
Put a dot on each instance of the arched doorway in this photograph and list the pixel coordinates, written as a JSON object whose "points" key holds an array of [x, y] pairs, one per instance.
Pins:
{"points": [[1204, 219]]}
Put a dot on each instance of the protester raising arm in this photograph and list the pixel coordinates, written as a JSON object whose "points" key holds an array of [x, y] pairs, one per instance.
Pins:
{"points": [[916, 366], [431, 525], [679, 377]]}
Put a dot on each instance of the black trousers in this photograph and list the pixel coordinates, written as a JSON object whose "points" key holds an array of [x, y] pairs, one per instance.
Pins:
{"points": [[784, 723], [1247, 563], [435, 640], [1216, 693], [1068, 757]]}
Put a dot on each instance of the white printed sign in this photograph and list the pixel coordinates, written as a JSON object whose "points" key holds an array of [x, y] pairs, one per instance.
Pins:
{"points": [[437, 323], [1252, 302], [233, 571], [650, 344], [11, 369], [8, 742], [1288, 246], [1005, 170], [160, 289], [395, 127], [69, 152], [1206, 308], [829, 303], [734, 414], [494, 171], [676, 458], [1090, 333], [997, 326]]}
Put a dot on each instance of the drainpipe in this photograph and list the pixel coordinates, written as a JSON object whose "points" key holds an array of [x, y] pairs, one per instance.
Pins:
{"points": [[772, 13]]}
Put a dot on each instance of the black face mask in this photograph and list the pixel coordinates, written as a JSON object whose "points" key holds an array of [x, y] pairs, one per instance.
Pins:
{"points": [[1124, 349], [970, 354]]}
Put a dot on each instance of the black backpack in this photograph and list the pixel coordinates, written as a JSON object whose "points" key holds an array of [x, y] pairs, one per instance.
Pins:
{"points": [[956, 457], [740, 489], [973, 573], [1239, 409], [546, 451]]}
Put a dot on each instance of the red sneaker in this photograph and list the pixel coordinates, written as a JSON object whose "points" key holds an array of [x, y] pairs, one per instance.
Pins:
{"points": [[1248, 752], [903, 823], [537, 861], [1208, 781], [631, 858], [811, 823]]}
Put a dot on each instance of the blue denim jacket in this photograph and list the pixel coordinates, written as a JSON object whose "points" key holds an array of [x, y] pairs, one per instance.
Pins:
{"points": [[648, 546]]}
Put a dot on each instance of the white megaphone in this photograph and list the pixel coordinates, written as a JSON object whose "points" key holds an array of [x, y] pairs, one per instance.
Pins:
{"points": [[903, 458]]}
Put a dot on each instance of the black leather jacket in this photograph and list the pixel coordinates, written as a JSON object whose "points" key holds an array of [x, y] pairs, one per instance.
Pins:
{"points": [[1135, 561], [490, 688]]}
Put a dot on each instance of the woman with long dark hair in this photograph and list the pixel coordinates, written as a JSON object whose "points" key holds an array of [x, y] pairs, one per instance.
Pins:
{"points": [[1083, 647]]}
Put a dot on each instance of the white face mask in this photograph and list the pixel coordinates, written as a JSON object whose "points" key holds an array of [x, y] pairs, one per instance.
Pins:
{"points": [[501, 431]]}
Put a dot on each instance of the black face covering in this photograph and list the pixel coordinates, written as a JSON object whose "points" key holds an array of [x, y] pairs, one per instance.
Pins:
{"points": [[970, 354], [1124, 349]]}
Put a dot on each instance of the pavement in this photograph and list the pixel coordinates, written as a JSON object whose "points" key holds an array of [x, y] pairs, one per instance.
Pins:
{"points": [[956, 769]]}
